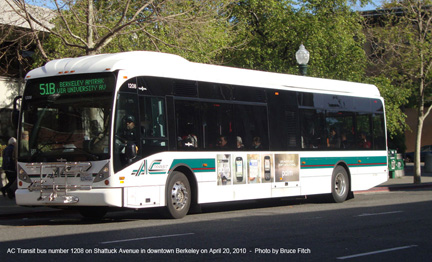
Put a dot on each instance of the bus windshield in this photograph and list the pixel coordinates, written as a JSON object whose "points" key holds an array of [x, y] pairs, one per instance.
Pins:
{"points": [[66, 119]]}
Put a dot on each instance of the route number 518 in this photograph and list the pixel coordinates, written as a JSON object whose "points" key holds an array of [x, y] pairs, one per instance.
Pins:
{"points": [[47, 89]]}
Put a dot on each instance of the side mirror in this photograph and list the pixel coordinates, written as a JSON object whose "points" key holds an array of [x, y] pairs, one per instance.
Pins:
{"points": [[15, 112]]}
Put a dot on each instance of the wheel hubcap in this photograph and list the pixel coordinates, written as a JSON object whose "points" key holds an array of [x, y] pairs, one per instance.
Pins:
{"points": [[340, 184], [179, 195]]}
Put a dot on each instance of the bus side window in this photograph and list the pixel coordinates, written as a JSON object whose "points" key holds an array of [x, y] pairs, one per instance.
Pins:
{"points": [[379, 142], [250, 123], [313, 128], [152, 125], [126, 130], [188, 125], [363, 121], [217, 123]]}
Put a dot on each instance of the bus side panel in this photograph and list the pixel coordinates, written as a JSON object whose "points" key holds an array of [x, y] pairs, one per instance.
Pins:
{"points": [[316, 181], [143, 186], [252, 191], [286, 192], [369, 172], [143, 196], [364, 178]]}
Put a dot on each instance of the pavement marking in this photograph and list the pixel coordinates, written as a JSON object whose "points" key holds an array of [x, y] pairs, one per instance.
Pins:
{"points": [[379, 214], [144, 238], [376, 252]]}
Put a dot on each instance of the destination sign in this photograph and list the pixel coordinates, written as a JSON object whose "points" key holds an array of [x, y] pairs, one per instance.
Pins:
{"points": [[70, 85]]}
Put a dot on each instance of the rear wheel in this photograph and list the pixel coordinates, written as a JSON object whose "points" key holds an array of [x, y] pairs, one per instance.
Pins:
{"points": [[340, 185], [178, 196]]}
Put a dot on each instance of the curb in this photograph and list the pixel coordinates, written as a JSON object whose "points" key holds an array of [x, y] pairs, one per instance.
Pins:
{"points": [[395, 188]]}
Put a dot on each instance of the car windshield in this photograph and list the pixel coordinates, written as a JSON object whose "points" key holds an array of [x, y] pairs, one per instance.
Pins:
{"points": [[66, 124]]}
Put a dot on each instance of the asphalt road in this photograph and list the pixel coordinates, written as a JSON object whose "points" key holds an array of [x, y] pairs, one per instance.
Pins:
{"points": [[390, 226]]}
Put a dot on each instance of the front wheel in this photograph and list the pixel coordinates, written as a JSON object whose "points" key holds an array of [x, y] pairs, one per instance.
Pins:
{"points": [[178, 196], [340, 185]]}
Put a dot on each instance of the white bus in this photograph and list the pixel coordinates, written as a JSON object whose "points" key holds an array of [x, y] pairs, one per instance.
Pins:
{"points": [[145, 129]]}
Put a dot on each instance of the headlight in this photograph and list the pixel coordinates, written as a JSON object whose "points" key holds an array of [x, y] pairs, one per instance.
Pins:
{"points": [[23, 176], [102, 174]]}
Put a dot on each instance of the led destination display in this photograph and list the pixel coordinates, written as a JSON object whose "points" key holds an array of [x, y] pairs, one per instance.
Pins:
{"points": [[71, 85]]}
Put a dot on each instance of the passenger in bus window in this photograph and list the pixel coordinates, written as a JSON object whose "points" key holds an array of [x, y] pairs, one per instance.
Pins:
{"points": [[239, 143], [364, 142], [344, 141], [188, 141], [222, 142], [333, 140], [256, 143]]}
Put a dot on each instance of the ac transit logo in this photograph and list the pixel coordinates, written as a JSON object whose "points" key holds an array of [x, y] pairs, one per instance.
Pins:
{"points": [[157, 168], [142, 170], [154, 168]]}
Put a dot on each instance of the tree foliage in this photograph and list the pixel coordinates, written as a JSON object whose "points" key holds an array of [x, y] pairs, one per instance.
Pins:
{"points": [[197, 29], [17, 37], [402, 51], [330, 30], [395, 98]]}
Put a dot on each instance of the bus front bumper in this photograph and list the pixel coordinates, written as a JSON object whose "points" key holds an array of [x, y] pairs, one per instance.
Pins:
{"points": [[94, 197]]}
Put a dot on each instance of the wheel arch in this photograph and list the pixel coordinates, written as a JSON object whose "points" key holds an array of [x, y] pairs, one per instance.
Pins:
{"points": [[190, 175]]}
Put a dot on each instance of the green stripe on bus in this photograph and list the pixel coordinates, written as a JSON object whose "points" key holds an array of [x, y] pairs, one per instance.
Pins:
{"points": [[330, 162], [197, 165]]}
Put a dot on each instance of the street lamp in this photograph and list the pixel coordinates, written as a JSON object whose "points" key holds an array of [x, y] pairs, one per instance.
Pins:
{"points": [[302, 57]]}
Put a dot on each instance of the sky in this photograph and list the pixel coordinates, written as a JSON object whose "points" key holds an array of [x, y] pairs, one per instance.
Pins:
{"points": [[374, 5]]}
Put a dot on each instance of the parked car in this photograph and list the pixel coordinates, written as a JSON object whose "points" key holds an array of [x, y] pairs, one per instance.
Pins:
{"points": [[409, 157]]}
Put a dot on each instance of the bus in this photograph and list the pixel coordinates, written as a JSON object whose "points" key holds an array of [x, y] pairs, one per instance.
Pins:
{"points": [[146, 129]]}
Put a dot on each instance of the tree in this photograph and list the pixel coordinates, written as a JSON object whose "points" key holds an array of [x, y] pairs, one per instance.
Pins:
{"points": [[395, 98], [402, 42], [86, 27], [330, 30], [17, 38]]}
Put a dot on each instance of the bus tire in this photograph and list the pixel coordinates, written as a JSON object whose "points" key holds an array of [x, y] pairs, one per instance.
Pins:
{"points": [[95, 213], [178, 196], [340, 185]]}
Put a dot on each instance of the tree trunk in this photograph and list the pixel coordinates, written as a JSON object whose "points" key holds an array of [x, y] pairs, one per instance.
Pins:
{"points": [[90, 32], [417, 163]]}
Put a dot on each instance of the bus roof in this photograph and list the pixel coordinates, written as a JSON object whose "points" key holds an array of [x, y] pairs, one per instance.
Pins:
{"points": [[148, 63]]}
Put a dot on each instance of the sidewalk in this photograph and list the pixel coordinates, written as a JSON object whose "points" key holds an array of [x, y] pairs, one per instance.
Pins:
{"points": [[404, 183], [8, 207]]}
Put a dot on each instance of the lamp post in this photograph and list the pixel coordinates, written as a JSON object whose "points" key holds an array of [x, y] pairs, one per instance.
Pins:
{"points": [[302, 57]]}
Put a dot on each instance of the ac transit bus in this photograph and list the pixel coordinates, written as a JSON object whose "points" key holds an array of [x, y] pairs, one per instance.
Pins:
{"points": [[144, 129]]}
